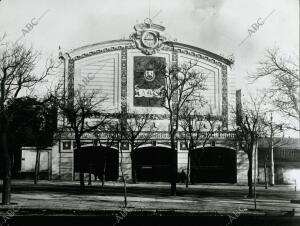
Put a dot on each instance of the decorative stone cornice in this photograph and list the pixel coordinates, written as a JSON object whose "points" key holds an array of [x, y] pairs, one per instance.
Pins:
{"points": [[199, 53], [105, 50], [196, 52]]}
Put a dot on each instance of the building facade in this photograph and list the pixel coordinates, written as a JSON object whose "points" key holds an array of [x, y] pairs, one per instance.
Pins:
{"points": [[123, 71]]}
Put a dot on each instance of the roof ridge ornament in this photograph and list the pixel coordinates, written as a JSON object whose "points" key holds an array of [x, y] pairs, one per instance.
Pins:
{"points": [[148, 36]]}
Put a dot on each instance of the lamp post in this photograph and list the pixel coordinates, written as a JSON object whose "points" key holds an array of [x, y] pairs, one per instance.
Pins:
{"points": [[272, 182], [255, 170]]}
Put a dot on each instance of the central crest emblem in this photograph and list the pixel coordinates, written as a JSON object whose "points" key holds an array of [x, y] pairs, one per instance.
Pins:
{"points": [[149, 75], [148, 37]]}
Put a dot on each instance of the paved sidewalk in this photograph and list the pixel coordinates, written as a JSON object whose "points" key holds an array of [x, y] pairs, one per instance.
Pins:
{"points": [[63, 198]]}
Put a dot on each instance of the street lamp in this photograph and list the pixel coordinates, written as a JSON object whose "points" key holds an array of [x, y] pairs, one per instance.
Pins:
{"points": [[272, 182]]}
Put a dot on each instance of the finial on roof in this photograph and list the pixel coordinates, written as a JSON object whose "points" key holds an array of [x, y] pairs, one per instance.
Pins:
{"points": [[149, 9]]}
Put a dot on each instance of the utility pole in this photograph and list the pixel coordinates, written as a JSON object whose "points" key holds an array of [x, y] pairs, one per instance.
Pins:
{"points": [[255, 171], [272, 182]]}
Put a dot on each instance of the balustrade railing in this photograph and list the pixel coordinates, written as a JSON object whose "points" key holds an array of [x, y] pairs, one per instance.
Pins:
{"points": [[156, 135]]}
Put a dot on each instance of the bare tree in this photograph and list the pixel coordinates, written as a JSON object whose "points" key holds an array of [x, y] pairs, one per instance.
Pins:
{"points": [[111, 138], [45, 130], [129, 127], [249, 129], [135, 134], [17, 78], [84, 113], [183, 84], [118, 130], [268, 156], [272, 133], [284, 74], [196, 127]]}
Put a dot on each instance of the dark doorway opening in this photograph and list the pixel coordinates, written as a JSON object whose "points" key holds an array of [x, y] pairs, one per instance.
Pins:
{"points": [[153, 164], [96, 159], [213, 165]]}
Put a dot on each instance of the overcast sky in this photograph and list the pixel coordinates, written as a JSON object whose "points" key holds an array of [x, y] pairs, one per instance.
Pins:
{"points": [[215, 25]]}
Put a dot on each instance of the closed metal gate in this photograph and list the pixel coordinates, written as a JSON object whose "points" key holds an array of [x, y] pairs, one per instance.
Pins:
{"points": [[96, 159], [153, 164], [213, 165]]}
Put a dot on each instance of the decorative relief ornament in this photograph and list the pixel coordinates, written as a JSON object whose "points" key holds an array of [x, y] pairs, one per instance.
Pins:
{"points": [[148, 37]]}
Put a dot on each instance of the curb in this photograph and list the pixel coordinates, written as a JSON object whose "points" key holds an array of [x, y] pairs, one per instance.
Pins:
{"points": [[139, 212]]}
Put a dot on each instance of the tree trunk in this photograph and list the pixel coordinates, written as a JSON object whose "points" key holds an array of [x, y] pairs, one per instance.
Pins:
{"points": [[133, 170], [188, 170], [265, 174], [250, 182], [174, 165], [81, 173], [255, 172], [104, 170], [81, 178], [272, 182], [37, 166], [90, 178], [123, 176], [6, 187]]}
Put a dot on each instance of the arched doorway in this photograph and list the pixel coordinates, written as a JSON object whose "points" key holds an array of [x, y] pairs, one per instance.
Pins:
{"points": [[153, 163], [213, 165], [97, 160]]}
